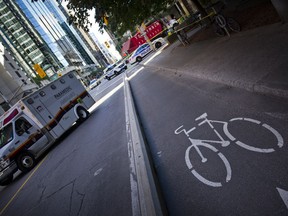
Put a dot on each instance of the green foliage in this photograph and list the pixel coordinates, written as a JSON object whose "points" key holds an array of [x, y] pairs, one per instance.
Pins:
{"points": [[122, 15], [97, 72]]}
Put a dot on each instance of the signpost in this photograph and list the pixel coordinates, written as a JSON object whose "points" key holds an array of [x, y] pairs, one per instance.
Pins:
{"points": [[39, 70]]}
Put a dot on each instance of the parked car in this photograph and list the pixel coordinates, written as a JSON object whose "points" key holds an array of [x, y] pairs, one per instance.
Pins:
{"points": [[109, 71], [115, 69], [159, 42], [120, 67], [140, 53], [94, 83]]}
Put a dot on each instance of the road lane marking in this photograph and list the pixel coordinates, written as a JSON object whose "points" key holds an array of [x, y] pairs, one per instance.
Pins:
{"points": [[103, 99], [98, 172], [276, 133], [135, 73], [112, 92], [283, 195], [18, 191], [195, 143], [156, 54], [110, 84]]}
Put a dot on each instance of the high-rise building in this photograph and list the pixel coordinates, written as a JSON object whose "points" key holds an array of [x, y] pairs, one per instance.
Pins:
{"points": [[14, 82], [20, 38], [87, 39], [72, 33], [103, 49], [51, 31]]}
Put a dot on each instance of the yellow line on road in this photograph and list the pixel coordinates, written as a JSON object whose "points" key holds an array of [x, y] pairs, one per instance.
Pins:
{"points": [[6, 206]]}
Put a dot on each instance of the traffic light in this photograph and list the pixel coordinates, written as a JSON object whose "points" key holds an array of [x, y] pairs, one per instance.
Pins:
{"points": [[107, 44], [105, 20]]}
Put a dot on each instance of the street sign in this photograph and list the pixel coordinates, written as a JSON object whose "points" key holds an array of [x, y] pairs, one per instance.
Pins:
{"points": [[40, 71]]}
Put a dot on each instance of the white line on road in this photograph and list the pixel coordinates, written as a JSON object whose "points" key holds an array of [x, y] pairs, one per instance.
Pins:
{"points": [[283, 195], [98, 172], [103, 99]]}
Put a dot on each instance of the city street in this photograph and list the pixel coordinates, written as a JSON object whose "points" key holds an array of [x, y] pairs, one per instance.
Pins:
{"points": [[85, 173], [243, 180], [175, 108], [89, 168]]}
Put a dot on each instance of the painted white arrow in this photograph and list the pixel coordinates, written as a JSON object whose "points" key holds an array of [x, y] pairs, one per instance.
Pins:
{"points": [[284, 196]]}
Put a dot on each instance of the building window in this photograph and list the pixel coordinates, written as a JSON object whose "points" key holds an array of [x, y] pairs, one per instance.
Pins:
{"points": [[12, 65], [17, 73]]}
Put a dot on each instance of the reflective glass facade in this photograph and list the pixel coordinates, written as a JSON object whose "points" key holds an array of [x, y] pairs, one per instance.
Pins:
{"points": [[45, 25], [74, 35], [19, 37]]}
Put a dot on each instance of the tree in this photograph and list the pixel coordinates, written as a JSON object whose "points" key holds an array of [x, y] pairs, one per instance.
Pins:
{"points": [[120, 15]]}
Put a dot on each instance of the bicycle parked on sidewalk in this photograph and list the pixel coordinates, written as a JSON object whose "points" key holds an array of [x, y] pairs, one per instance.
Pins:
{"points": [[202, 147], [222, 24]]}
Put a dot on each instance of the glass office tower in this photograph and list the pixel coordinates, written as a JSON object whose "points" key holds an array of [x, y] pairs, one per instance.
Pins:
{"points": [[19, 37], [49, 29]]}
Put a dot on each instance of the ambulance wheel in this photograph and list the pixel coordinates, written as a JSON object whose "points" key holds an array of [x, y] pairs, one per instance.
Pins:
{"points": [[7, 181], [25, 161], [82, 114]]}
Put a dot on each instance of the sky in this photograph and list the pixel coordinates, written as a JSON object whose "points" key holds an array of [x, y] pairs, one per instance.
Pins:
{"points": [[101, 37]]}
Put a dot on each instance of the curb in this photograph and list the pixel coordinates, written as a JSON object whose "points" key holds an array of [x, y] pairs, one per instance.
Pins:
{"points": [[146, 200], [248, 86]]}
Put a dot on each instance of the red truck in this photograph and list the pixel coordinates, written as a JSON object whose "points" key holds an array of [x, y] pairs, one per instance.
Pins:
{"points": [[153, 31]]}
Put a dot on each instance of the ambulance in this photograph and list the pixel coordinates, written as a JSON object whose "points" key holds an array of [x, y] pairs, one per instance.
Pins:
{"points": [[34, 123]]}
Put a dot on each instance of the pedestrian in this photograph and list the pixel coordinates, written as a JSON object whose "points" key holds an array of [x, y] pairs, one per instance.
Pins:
{"points": [[173, 22]]}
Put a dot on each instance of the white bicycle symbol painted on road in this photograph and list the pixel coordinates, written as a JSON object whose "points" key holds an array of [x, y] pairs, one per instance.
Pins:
{"points": [[196, 143]]}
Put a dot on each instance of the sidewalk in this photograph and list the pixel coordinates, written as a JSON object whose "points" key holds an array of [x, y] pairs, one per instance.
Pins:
{"points": [[255, 60]]}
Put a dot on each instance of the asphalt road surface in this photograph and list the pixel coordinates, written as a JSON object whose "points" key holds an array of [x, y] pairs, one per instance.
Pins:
{"points": [[202, 170], [85, 173]]}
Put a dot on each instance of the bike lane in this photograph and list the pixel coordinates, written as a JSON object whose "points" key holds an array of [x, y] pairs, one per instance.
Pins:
{"points": [[248, 176]]}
